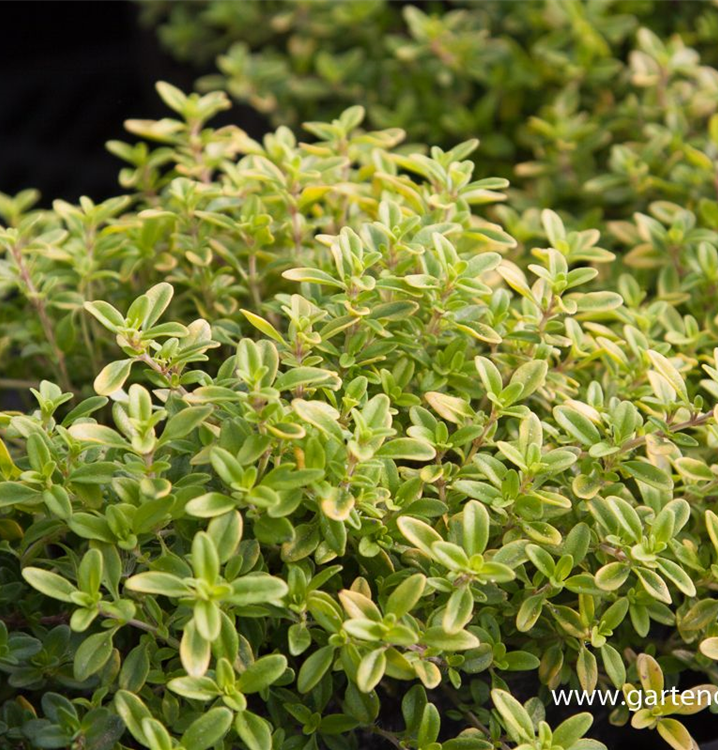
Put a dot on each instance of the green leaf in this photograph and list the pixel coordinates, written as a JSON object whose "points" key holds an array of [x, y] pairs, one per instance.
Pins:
{"points": [[541, 559], [226, 533], [449, 555], [264, 326], [570, 731], [576, 425], [459, 610], [654, 585], [158, 738], [677, 575], [254, 731], [675, 734], [288, 477], [612, 576], [475, 527], [521, 661], [669, 372], [628, 524], [596, 302], [451, 408], [207, 619], [587, 669], [516, 279], [648, 474], [113, 377], [91, 527], [312, 276], [429, 726], [162, 584], [556, 233], [420, 534], [371, 670], [195, 688], [38, 452], [87, 432], [323, 416], [257, 588], [205, 560], [314, 668], [210, 505], [208, 729], [614, 666], [159, 297], [133, 712], [184, 422], [436, 637], [92, 655], [515, 717], [227, 466], [101, 472], [172, 96], [529, 612], [406, 595], [530, 376], [15, 493], [305, 377], [50, 584], [84, 409], [90, 570], [107, 315], [489, 374], [195, 651], [693, 469], [262, 673], [135, 668], [409, 449]]}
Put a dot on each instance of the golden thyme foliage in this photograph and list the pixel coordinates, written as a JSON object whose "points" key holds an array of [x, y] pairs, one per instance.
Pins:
{"points": [[560, 92], [316, 424]]}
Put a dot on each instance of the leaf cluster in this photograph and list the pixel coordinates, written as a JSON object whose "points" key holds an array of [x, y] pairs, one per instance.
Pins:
{"points": [[321, 435]]}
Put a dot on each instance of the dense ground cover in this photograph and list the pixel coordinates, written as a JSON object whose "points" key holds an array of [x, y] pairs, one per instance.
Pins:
{"points": [[326, 424]]}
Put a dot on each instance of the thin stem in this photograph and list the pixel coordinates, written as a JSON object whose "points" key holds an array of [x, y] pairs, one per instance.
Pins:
{"points": [[254, 282], [470, 716], [140, 625], [87, 339], [296, 229], [694, 421], [613, 551], [13, 383], [546, 316], [390, 736], [87, 294], [482, 437], [195, 145], [158, 368], [38, 303]]}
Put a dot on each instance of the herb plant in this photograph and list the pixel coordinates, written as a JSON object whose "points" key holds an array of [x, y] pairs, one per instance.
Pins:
{"points": [[325, 436], [587, 105]]}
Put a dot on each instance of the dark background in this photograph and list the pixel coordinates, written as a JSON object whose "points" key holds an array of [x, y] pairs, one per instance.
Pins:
{"points": [[70, 74]]}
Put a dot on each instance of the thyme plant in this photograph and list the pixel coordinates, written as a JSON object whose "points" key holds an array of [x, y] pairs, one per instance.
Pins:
{"points": [[322, 437], [591, 106]]}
